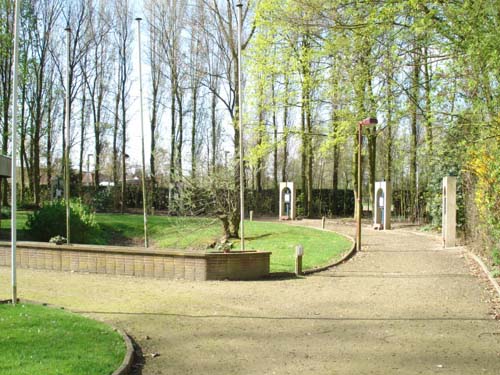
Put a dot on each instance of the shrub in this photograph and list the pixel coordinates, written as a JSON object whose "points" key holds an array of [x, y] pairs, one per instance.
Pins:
{"points": [[484, 163], [496, 256], [100, 200], [50, 221], [5, 213]]}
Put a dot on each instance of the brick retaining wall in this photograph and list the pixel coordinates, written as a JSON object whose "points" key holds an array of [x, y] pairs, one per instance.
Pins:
{"points": [[136, 261]]}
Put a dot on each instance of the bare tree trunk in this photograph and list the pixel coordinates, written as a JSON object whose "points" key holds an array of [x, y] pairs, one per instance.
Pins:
{"points": [[172, 150], [6, 86], [36, 135], [284, 174], [50, 100], [275, 136], [306, 126], [180, 132], [193, 132], [428, 103], [372, 159], [356, 149], [303, 155], [115, 132], [153, 125], [310, 157], [22, 140], [82, 140], [360, 108], [260, 134], [152, 160], [156, 86], [388, 131], [413, 135], [335, 167], [372, 133], [213, 118]]}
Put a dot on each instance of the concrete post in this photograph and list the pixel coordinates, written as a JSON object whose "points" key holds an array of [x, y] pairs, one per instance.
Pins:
{"points": [[449, 211], [299, 252]]}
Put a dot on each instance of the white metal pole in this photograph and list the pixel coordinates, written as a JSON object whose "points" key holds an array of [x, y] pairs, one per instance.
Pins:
{"points": [[144, 195], [66, 151], [240, 126], [13, 229]]}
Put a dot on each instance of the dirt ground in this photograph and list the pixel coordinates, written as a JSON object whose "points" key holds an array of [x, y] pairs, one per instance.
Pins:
{"points": [[402, 306]]}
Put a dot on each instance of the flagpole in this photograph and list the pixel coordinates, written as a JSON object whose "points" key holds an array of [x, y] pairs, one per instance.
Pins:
{"points": [[13, 225], [66, 151], [240, 126], [144, 194]]}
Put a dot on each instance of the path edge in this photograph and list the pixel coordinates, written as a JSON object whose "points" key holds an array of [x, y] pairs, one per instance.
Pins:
{"points": [[128, 360], [348, 255], [486, 271]]}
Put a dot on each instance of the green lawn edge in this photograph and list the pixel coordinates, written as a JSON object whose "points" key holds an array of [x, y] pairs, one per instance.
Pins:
{"points": [[38, 339]]}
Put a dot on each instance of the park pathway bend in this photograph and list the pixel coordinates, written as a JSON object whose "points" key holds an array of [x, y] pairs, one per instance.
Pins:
{"points": [[402, 306]]}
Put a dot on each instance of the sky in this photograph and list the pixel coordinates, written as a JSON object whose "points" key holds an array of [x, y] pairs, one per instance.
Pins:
{"points": [[134, 146]]}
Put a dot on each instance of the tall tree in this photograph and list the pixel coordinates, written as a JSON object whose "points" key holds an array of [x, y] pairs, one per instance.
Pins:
{"points": [[96, 78], [47, 13], [157, 82], [6, 37], [195, 71], [124, 38], [171, 15], [226, 18]]}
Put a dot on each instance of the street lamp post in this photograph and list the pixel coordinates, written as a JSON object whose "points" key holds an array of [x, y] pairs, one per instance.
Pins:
{"points": [[366, 122]]}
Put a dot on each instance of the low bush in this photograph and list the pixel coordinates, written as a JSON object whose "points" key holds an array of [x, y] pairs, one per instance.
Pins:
{"points": [[50, 221], [5, 213]]}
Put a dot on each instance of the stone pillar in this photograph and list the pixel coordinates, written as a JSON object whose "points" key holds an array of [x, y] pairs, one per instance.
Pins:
{"points": [[382, 205], [287, 199], [449, 211]]}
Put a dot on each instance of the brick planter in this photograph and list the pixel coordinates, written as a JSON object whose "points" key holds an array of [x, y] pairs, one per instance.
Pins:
{"points": [[137, 261]]}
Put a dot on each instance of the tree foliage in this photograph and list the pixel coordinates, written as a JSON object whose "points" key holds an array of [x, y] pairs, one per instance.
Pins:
{"points": [[428, 70]]}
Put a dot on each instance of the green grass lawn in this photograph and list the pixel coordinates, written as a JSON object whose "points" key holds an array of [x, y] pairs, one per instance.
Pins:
{"points": [[165, 231], [320, 247], [41, 340]]}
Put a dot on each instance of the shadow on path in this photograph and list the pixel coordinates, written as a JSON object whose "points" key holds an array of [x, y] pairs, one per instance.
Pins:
{"points": [[318, 318]]}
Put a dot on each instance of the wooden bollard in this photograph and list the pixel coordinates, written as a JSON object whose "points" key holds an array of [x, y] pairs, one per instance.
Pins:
{"points": [[323, 221], [251, 215]]}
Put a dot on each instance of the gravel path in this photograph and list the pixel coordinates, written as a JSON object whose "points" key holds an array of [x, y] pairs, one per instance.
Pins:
{"points": [[403, 306]]}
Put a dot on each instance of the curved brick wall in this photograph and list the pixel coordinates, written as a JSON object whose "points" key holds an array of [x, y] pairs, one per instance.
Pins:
{"points": [[136, 261]]}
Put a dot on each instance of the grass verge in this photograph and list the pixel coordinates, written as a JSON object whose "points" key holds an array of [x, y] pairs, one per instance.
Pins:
{"points": [[42, 340]]}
